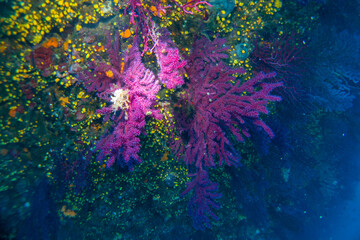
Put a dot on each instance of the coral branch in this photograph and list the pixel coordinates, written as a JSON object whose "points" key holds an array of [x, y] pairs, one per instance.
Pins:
{"points": [[132, 95], [203, 201], [215, 106], [171, 65]]}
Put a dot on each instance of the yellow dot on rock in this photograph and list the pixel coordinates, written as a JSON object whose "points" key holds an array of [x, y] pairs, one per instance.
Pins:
{"points": [[278, 4], [78, 27]]}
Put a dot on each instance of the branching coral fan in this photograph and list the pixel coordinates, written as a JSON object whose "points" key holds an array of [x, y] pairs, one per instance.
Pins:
{"points": [[215, 106], [131, 89], [138, 88], [171, 65], [213, 109]]}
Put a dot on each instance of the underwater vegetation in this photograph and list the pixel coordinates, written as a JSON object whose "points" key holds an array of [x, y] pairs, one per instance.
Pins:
{"points": [[334, 84], [184, 119]]}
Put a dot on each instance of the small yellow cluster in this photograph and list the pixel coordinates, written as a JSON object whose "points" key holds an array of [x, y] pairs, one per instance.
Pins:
{"points": [[88, 15], [249, 18], [30, 21], [15, 103], [85, 127], [77, 52], [104, 9], [160, 131], [272, 7], [175, 14], [91, 14], [224, 22], [85, 51], [243, 25], [66, 81], [180, 173]]}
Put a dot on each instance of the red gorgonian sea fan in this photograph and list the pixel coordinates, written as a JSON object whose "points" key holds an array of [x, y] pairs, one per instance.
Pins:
{"points": [[213, 106]]}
